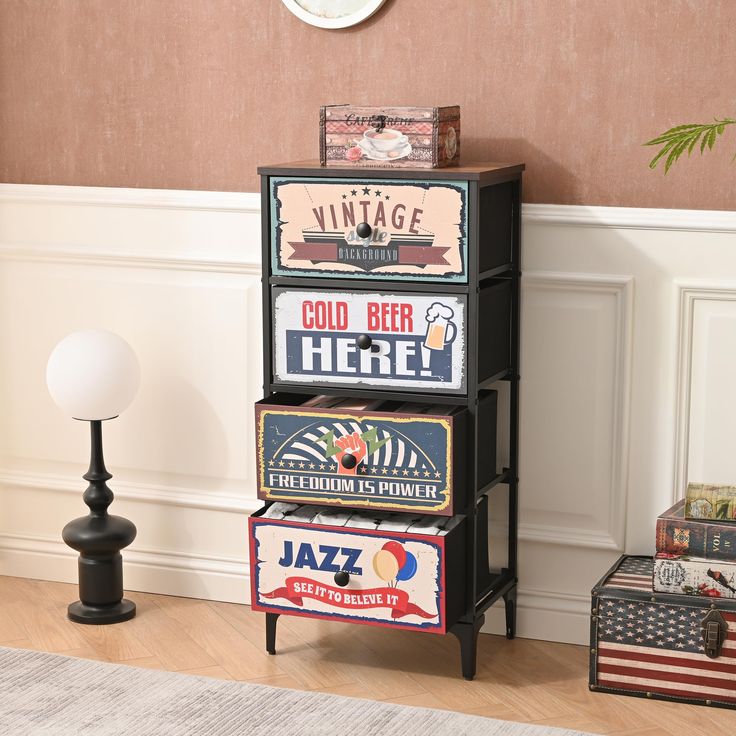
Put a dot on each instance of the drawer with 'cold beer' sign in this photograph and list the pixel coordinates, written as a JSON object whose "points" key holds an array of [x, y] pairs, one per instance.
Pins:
{"points": [[410, 341], [353, 228], [358, 572], [376, 454]]}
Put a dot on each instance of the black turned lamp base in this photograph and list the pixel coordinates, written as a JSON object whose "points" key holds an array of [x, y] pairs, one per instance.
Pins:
{"points": [[81, 613], [99, 537]]}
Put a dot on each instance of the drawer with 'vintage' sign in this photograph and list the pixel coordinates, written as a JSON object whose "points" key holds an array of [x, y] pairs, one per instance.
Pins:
{"points": [[373, 454], [378, 229], [410, 341], [363, 575]]}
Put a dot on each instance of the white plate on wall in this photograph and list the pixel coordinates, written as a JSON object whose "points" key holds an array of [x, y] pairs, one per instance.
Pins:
{"points": [[333, 13]]}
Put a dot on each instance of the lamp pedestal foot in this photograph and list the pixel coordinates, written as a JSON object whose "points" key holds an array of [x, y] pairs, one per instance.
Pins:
{"points": [[81, 613]]}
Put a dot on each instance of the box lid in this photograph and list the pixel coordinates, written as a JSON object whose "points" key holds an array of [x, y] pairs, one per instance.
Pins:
{"points": [[394, 116]]}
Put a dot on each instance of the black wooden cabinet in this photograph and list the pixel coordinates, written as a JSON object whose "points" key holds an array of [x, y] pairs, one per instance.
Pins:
{"points": [[390, 310]]}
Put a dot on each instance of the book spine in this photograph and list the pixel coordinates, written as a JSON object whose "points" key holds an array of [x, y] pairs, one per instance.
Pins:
{"points": [[708, 501], [684, 576], [696, 539]]}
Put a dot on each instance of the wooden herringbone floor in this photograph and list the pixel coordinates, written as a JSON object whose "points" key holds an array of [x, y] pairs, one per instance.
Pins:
{"points": [[521, 680]]}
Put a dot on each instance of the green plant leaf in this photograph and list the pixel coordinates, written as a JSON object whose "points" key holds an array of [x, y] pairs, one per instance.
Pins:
{"points": [[664, 150], [677, 140]]}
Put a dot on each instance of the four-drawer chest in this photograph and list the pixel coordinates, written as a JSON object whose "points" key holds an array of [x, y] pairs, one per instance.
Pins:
{"points": [[391, 363]]}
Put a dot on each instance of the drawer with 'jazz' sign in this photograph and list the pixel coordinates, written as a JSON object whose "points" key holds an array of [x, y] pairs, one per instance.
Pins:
{"points": [[390, 455], [364, 575], [410, 341]]}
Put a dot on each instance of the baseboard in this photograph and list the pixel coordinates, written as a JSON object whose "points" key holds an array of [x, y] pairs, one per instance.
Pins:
{"points": [[148, 571], [544, 615], [541, 614]]}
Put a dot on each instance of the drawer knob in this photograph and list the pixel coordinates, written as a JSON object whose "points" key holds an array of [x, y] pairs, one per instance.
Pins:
{"points": [[342, 578], [348, 461], [363, 230], [364, 342]]}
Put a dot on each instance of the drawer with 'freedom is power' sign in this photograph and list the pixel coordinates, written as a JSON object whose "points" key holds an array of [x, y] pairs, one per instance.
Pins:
{"points": [[389, 455]]}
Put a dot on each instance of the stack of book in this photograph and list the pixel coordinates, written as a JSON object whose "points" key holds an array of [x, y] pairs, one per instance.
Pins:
{"points": [[696, 543]]}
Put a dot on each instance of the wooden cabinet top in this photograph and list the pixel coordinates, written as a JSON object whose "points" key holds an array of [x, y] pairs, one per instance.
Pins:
{"points": [[485, 173]]}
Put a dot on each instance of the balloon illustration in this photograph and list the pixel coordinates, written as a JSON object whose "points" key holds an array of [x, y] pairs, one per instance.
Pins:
{"points": [[408, 569], [397, 551], [385, 565]]}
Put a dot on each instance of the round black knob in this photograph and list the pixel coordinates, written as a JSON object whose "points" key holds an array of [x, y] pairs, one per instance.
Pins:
{"points": [[342, 578], [363, 230], [364, 342], [348, 461]]}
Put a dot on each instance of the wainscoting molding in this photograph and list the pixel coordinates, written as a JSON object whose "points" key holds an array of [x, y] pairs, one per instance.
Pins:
{"points": [[178, 274], [620, 289], [689, 297]]}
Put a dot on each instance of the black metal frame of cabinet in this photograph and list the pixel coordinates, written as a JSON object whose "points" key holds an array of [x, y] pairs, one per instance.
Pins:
{"points": [[499, 584]]}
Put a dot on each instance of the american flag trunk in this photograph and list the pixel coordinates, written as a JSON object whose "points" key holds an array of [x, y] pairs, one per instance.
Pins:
{"points": [[652, 644]]}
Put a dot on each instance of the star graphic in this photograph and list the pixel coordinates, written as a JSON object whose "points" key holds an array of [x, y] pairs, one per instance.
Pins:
{"points": [[281, 463], [384, 471], [416, 472], [333, 468], [291, 464], [437, 474], [354, 193], [405, 472], [366, 190], [426, 473], [363, 469], [312, 466], [378, 192], [321, 466], [395, 471], [344, 196], [301, 465], [387, 197], [270, 462]]}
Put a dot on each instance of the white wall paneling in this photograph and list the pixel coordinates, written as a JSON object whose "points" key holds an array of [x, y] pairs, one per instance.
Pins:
{"points": [[628, 344]]}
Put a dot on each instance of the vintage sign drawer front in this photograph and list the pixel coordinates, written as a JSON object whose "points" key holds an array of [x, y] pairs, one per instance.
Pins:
{"points": [[359, 459], [300, 568], [377, 229], [402, 341]]}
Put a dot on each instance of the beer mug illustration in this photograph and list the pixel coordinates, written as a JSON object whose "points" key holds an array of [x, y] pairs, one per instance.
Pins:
{"points": [[440, 330]]}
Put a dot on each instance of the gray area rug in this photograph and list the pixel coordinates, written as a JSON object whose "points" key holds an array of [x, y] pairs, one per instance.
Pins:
{"points": [[50, 694]]}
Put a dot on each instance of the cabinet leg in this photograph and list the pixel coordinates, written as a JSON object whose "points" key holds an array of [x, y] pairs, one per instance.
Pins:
{"points": [[271, 619], [467, 635], [510, 601]]}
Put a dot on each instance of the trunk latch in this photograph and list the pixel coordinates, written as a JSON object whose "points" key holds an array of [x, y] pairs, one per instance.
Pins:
{"points": [[714, 630]]}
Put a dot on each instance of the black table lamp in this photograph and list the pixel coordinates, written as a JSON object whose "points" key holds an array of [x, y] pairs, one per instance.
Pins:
{"points": [[93, 375]]}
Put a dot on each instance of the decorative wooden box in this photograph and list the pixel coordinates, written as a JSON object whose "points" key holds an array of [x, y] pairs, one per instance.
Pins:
{"points": [[390, 312], [658, 645], [396, 137]]}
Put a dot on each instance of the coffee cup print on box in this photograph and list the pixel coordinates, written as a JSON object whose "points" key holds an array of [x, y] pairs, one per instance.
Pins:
{"points": [[384, 144]]}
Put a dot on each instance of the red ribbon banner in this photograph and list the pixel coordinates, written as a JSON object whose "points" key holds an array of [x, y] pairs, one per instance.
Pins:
{"points": [[297, 589], [409, 255]]}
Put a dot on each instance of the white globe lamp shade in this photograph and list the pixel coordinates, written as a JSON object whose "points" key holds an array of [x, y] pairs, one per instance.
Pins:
{"points": [[93, 374]]}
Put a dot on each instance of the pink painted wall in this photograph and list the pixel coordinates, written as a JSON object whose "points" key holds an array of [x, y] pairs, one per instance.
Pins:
{"points": [[194, 94]]}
